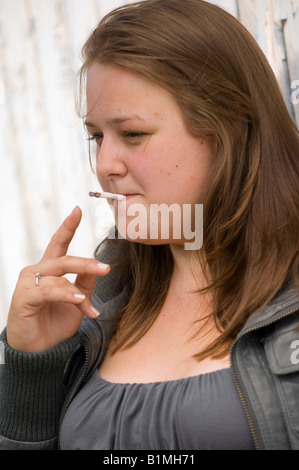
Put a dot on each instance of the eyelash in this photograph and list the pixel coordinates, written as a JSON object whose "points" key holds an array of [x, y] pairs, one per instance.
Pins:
{"points": [[94, 137], [129, 135]]}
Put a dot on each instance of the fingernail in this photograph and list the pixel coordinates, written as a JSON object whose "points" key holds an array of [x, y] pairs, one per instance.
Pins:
{"points": [[102, 266], [79, 296], [94, 311]]}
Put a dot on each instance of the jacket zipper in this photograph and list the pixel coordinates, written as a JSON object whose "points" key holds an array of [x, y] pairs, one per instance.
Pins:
{"points": [[238, 387], [84, 372]]}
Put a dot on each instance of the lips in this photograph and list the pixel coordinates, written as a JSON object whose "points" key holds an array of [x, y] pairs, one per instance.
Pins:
{"points": [[128, 196], [126, 193]]}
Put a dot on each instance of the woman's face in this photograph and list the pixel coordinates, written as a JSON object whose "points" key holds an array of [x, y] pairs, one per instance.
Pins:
{"points": [[144, 151]]}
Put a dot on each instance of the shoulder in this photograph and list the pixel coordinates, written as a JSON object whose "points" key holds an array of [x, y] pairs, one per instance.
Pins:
{"points": [[275, 327], [281, 340], [285, 303], [265, 359]]}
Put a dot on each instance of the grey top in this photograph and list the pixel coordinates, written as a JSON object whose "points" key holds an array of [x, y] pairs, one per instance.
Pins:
{"points": [[196, 413]]}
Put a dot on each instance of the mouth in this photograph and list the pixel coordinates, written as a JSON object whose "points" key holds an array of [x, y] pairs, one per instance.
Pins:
{"points": [[126, 194], [125, 198], [129, 196]]}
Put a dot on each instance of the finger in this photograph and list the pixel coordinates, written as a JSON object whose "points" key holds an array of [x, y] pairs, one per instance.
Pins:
{"points": [[35, 298], [86, 307], [83, 285], [82, 291], [86, 283], [48, 281], [61, 239], [66, 265], [57, 292]]}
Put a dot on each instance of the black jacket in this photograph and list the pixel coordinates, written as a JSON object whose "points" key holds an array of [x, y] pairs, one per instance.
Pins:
{"points": [[36, 389]]}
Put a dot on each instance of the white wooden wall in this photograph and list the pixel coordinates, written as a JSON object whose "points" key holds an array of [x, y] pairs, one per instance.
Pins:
{"points": [[44, 170]]}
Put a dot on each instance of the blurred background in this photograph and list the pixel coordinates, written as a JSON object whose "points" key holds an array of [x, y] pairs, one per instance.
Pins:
{"points": [[44, 167]]}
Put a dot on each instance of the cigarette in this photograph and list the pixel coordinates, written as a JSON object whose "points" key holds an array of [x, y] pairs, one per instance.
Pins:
{"points": [[118, 197]]}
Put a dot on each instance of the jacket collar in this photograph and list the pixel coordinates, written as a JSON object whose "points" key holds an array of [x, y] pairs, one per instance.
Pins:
{"points": [[284, 303]]}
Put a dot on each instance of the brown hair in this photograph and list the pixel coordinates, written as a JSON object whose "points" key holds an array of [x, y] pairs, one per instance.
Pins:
{"points": [[225, 89]]}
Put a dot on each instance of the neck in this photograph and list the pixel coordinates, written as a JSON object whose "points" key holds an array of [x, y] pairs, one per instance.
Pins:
{"points": [[188, 273], [183, 293]]}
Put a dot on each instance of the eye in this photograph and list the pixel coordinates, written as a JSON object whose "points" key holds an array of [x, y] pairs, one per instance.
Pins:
{"points": [[134, 137], [94, 145], [97, 138]]}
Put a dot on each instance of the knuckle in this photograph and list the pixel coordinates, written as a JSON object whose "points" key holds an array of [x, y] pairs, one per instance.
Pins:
{"points": [[64, 281], [23, 273], [26, 271], [64, 260], [87, 263], [45, 290]]}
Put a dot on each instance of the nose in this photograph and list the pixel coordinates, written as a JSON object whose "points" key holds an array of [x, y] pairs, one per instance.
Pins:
{"points": [[110, 162]]}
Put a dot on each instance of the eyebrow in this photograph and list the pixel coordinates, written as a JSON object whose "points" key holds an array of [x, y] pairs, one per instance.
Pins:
{"points": [[134, 117]]}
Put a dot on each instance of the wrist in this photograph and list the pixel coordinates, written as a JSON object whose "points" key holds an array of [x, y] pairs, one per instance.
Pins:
{"points": [[32, 391]]}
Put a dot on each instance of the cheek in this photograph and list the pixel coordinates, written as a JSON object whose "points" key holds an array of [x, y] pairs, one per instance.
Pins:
{"points": [[160, 160], [145, 165], [103, 183]]}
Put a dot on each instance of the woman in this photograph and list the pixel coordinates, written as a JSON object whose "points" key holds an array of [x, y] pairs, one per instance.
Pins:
{"points": [[192, 348]]}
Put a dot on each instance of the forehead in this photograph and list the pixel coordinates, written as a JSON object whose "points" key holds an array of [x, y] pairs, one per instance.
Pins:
{"points": [[109, 86]]}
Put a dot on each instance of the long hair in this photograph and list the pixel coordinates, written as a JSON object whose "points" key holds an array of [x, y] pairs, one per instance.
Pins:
{"points": [[226, 90]]}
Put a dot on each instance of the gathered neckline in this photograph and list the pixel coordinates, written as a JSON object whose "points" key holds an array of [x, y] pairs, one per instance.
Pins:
{"points": [[183, 379]]}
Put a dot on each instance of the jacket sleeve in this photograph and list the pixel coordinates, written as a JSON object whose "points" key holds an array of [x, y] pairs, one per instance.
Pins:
{"points": [[32, 395]]}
